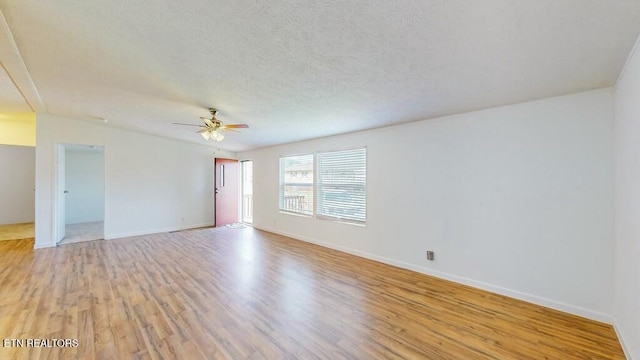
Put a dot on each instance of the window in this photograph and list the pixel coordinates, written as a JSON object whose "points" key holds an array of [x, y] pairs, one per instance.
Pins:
{"points": [[341, 185], [247, 191], [296, 192]]}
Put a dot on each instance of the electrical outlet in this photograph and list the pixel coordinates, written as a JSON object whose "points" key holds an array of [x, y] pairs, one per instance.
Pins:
{"points": [[430, 255]]}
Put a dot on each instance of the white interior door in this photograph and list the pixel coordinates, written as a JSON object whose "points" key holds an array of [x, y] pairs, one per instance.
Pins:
{"points": [[60, 194]]}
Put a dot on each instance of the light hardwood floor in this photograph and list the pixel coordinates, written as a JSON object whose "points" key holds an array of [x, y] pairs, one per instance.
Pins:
{"points": [[245, 294], [17, 231]]}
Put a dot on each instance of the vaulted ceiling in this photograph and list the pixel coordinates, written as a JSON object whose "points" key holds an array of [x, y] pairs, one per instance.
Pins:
{"points": [[295, 70]]}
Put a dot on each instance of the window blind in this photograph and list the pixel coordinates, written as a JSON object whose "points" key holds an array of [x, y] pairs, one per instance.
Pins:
{"points": [[341, 185]]}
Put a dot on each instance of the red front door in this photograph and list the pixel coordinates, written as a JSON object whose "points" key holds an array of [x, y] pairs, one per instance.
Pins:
{"points": [[226, 191]]}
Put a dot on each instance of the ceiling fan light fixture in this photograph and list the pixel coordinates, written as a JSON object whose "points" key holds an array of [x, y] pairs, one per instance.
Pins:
{"points": [[206, 135], [215, 135]]}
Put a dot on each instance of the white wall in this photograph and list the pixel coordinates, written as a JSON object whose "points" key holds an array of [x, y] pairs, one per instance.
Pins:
{"points": [[18, 129], [17, 198], [517, 200], [152, 184], [84, 181], [627, 206]]}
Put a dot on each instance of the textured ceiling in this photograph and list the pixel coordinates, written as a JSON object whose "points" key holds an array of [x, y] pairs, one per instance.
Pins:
{"points": [[296, 70]]}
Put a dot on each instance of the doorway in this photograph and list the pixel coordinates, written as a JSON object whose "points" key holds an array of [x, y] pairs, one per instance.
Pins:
{"points": [[247, 191], [226, 192], [17, 192], [80, 193]]}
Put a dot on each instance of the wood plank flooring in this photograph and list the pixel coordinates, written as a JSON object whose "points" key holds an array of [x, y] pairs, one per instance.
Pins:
{"points": [[246, 294], [17, 231]]}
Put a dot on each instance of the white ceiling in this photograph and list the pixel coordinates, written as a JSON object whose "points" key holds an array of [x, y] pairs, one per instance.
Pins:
{"points": [[11, 101], [302, 69]]}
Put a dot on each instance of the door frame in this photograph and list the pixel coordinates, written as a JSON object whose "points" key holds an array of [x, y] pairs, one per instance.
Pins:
{"points": [[59, 213]]}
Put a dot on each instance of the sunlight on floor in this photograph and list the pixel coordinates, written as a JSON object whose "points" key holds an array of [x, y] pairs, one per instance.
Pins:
{"points": [[17, 231]]}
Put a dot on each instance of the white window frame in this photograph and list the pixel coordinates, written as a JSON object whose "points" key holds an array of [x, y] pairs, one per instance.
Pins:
{"points": [[317, 192]]}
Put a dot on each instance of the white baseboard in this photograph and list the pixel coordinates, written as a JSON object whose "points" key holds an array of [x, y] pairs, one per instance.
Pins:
{"points": [[155, 231], [625, 348], [557, 305], [43, 246]]}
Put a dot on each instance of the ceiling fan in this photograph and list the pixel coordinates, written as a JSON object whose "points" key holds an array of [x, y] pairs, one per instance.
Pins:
{"points": [[212, 126]]}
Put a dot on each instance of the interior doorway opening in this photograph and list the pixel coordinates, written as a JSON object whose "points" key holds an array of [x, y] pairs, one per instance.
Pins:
{"points": [[80, 193], [17, 192], [247, 191]]}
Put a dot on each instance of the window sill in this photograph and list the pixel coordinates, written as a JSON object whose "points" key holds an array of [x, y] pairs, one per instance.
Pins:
{"points": [[296, 214], [342, 221]]}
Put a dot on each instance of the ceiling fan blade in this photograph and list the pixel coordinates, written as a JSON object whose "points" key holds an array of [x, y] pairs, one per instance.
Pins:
{"points": [[236, 126], [203, 130], [208, 122], [188, 124]]}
